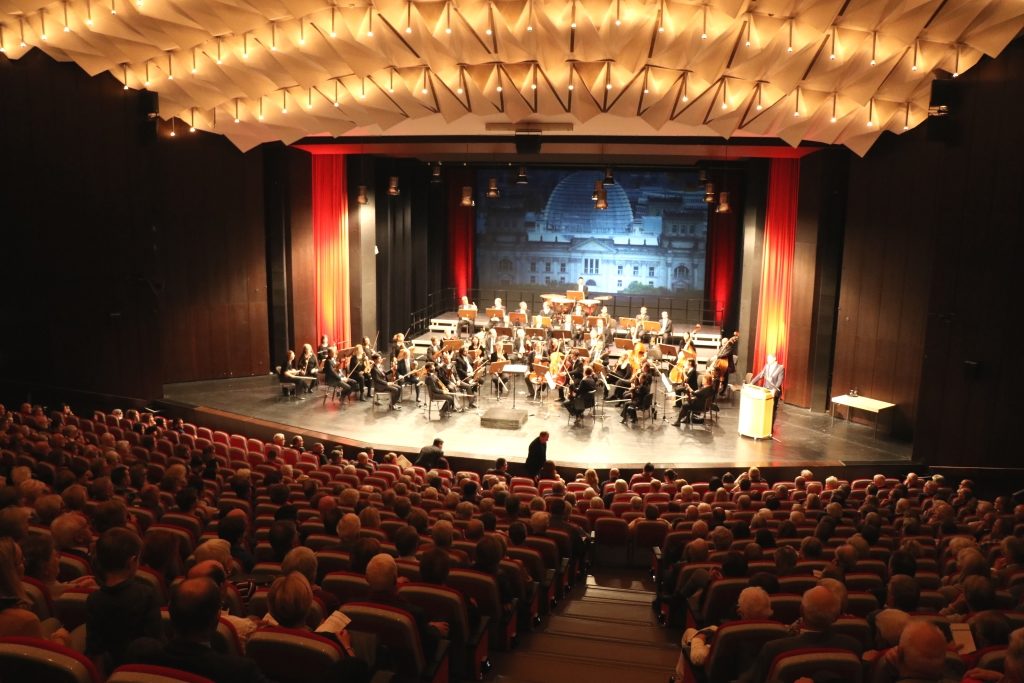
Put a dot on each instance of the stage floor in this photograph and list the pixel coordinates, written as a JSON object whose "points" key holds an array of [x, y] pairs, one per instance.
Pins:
{"points": [[802, 438]]}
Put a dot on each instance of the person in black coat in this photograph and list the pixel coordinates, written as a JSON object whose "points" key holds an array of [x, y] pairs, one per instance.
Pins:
{"points": [[431, 456], [538, 454], [195, 609]]}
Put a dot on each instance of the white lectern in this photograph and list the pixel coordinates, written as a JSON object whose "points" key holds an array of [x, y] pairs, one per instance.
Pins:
{"points": [[755, 412]]}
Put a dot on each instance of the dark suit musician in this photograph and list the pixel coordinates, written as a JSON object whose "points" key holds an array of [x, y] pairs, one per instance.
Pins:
{"points": [[581, 286], [333, 375], [698, 402], [436, 391], [358, 364], [381, 383], [639, 398], [583, 395]]}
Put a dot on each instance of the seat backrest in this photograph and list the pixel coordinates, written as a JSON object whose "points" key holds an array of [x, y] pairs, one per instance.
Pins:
{"points": [[481, 587], [721, 664], [647, 534], [611, 531], [346, 586], [531, 559], [225, 639], [145, 673], [36, 659], [441, 603], [39, 595], [785, 607], [992, 658], [69, 607], [547, 548], [720, 600], [855, 627], [793, 664], [395, 629], [288, 655]]}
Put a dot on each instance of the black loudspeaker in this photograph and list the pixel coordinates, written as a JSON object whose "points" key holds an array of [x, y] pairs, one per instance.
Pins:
{"points": [[148, 103], [945, 111]]}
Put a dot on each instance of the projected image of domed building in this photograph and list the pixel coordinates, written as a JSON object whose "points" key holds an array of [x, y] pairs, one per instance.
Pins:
{"points": [[650, 239]]}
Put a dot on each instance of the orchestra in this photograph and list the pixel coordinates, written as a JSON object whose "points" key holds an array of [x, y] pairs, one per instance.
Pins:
{"points": [[571, 345]]}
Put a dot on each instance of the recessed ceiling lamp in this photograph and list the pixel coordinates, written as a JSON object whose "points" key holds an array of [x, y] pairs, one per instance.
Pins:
{"points": [[709, 192], [521, 178], [393, 190], [598, 188], [609, 179], [435, 173], [467, 196], [492, 189], [602, 200]]}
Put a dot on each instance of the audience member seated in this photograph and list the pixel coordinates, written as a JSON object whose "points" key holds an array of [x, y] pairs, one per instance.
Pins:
{"points": [[125, 607]]}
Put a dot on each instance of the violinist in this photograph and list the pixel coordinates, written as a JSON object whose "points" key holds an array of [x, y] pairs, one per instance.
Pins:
{"points": [[334, 377], [405, 365], [437, 391], [381, 383], [582, 395], [622, 376], [368, 346], [698, 401], [684, 378], [601, 377], [577, 328], [290, 372], [545, 312], [639, 397], [573, 373], [307, 366], [520, 347], [359, 365]]}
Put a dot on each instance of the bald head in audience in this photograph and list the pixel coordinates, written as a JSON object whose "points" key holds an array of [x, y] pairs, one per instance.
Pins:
{"points": [[921, 653], [820, 608]]}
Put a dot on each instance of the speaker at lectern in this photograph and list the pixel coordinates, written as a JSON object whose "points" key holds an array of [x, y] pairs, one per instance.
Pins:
{"points": [[755, 412]]}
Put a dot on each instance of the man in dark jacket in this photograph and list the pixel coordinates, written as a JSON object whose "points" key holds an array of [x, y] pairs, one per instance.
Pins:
{"points": [[538, 455]]}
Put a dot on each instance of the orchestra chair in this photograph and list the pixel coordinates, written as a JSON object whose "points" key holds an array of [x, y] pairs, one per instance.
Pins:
{"points": [[646, 410], [721, 664], [468, 647], [288, 655], [702, 414], [397, 631], [793, 664], [37, 659], [144, 673]]}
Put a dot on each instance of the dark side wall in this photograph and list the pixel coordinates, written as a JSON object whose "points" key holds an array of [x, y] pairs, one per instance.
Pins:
{"points": [[129, 259], [929, 292]]}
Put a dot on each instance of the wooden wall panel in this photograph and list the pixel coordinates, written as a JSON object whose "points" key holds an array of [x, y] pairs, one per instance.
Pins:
{"points": [[128, 244]]}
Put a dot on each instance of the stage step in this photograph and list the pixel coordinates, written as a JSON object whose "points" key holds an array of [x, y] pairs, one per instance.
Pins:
{"points": [[504, 418]]}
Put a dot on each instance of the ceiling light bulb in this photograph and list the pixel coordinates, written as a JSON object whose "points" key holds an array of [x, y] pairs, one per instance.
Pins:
{"points": [[796, 113], [302, 41], [391, 90], [146, 84], [914, 67], [906, 127], [832, 56], [88, 22], [571, 87], [125, 87], [284, 110], [424, 91], [747, 43], [173, 134], [871, 124], [498, 88], [237, 119], [956, 74], [334, 34], [832, 120], [572, 25], [725, 106], [447, 29], [170, 77], [873, 62], [789, 48], [67, 29], [459, 91], [608, 86], [369, 34], [618, 22], [220, 61], [661, 29], [488, 31], [260, 117], [646, 91], [533, 86], [194, 70], [529, 28], [686, 98], [245, 55], [43, 37], [113, 12], [703, 36], [273, 48], [191, 129], [759, 107], [408, 29], [337, 104]]}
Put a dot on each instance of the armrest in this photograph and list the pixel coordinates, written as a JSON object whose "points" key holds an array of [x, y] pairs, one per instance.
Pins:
{"points": [[549, 576], [440, 655], [481, 630], [563, 565], [657, 553]]}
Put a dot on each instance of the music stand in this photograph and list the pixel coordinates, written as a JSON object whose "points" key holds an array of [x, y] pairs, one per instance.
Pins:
{"points": [[506, 347], [503, 331], [534, 331], [592, 321], [652, 326], [578, 320], [514, 370], [560, 334], [496, 313], [575, 295], [625, 344], [494, 369], [345, 353], [517, 318], [668, 350], [467, 314], [452, 344], [627, 322], [545, 321]]}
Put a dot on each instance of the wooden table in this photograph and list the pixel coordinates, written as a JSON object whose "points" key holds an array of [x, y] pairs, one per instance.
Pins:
{"points": [[871, 405]]}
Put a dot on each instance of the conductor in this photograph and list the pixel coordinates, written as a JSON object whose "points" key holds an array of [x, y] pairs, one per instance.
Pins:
{"points": [[538, 454]]}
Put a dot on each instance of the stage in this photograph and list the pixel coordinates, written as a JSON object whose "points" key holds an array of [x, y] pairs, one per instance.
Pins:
{"points": [[802, 438]]}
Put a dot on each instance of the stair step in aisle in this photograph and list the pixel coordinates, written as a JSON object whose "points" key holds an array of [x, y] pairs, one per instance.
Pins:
{"points": [[604, 631]]}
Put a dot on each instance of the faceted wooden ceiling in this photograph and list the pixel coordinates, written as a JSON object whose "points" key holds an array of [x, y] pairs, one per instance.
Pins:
{"points": [[832, 71]]}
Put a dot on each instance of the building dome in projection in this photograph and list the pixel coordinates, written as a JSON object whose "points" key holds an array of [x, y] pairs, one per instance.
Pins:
{"points": [[570, 208]]}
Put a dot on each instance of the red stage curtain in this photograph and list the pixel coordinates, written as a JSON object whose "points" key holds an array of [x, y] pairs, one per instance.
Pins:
{"points": [[330, 247], [721, 252], [461, 231], [777, 261]]}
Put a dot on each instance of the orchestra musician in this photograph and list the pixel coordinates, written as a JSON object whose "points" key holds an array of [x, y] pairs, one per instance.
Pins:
{"points": [[368, 346], [334, 375], [466, 308], [290, 370], [623, 376], [665, 331], [581, 286], [380, 382], [495, 320], [499, 380], [639, 396], [698, 401], [359, 372], [434, 350], [437, 391], [684, 378], [535, 383], [447, 377], [577, 327], [687, 348], [572, 372], [465, 372], [520, 347], [582, 395], [725, 362], [307, 366], [405, 365], [641, 318], [321, 351], [525, 310]]}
